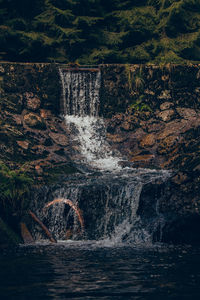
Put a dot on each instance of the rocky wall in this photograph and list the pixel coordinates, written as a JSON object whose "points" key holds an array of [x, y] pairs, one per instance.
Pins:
{"points": [[32, 133], [153, 118]]}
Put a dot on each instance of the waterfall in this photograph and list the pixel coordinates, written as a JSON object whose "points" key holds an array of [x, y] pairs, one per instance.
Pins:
{"points": [[81, 107], [80, 92], [109, 199], [109, 204]]}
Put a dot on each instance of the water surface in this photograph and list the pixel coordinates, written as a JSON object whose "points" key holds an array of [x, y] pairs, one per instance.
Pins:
{"points": [[78, 270]]}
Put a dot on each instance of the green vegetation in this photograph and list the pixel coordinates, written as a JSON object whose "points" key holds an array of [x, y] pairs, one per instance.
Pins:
{"points": [[14, 193], [140, 105], [100, 31]]}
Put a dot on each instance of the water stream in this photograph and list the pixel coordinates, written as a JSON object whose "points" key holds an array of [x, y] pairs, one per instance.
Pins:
{"points": [[115, 257], [107, 194]]}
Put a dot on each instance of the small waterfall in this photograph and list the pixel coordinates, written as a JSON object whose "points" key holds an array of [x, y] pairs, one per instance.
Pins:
{"points": [[109, 201], [109, 204], [81, 102], [80, 92]]}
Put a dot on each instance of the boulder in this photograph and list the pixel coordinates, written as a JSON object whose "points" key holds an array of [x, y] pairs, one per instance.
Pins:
{"points": [[147, 141], [23, 144], [35, 121], [59, 138], [166, 115]]}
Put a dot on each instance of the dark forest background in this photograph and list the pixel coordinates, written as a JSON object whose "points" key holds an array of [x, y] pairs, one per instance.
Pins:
{"points": [[100, 31]]}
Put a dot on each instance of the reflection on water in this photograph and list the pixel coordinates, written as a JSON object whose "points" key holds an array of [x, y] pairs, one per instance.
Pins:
{"points": [[74, 271]]}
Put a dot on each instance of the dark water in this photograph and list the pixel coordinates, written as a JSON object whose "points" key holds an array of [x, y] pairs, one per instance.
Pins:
{"points": [[78, 271]]}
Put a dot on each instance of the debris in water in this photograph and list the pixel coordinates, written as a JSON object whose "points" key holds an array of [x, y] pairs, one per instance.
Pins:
{"points": [[71, 204], [48, 233]]}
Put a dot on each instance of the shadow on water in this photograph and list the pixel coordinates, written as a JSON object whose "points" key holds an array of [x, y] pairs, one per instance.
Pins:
{"points": [[81, 270]]}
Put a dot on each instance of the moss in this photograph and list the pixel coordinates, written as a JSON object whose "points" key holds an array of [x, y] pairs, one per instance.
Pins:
{"points": [[140, 105], [53, 174]]}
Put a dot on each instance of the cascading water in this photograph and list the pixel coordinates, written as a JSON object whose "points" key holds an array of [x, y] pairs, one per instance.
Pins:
{"points": [[80, 92], [81, 106], [109, 199]]}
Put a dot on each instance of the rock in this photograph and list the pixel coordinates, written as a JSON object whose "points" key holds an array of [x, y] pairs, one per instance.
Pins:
{"points": [[59, 138], [166, 105], [116, 138], [153, 126], [127, 126], [23, 144], [147, 157], [39, 150], [32, 101], [33, 120], [186, 113], [172, 128], [166, 144], [179, 178], [165, 77], [26, 235], [2, 70], [38, 170], [149, 92], [17, 119], [165, 95], [148, 140], [166, 115], [45, 114]]}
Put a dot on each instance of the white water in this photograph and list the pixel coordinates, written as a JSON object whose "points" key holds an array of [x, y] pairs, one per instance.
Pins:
{"points": [[91, 136], [110, 200], [80, 92], [81, 105]]}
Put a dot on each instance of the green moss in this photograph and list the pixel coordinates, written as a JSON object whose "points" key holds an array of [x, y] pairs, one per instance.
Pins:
{"points": [[53, 174], [140, 105], [14, 191], [135, 78]]}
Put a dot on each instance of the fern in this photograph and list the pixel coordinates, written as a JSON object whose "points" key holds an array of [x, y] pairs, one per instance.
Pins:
{"points": [[14, 190]]}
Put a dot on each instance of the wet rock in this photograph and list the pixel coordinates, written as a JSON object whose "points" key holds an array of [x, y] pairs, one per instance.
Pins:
{"points": [[179, 178], [17, 119], [149, 92], [45, 114], [165, 95], [32, 101], [186, 113], [147, 141], [165, 145], [143, 158], [23, 144], [127, 126], [39, 150], [166, 105], [59, 138], [166, 115], [116, 138], [35, 121], [39, 170], [153, 126]]}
